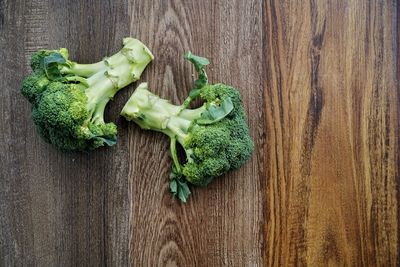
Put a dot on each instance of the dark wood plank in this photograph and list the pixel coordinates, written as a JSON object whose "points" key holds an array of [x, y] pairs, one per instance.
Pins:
{"points": [[16, 235], [221, 224], [332, 105], [60, 209]]}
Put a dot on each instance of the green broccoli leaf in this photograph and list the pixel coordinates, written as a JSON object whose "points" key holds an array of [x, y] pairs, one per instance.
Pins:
{"points": [[173, 186], [177, 186], [183, 191], [175, 174], [199, 64], [216, 113], [50, 65], [110, 141], [194, 92]]}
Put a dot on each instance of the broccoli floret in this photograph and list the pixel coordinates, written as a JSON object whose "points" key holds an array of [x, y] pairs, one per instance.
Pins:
{"points": [[215, 137], [68, 99]]}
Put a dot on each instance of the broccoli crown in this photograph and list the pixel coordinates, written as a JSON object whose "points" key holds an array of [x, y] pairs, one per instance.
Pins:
{"points": [[215, 136], [68, 99], [220, 146], [62, 118], [33, 86]]}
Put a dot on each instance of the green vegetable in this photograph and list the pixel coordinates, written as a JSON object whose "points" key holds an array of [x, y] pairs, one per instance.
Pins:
{"points": [[215, 137], [68, 99]]}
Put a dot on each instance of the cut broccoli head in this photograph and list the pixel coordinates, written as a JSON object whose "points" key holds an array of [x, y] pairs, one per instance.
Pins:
{"points": [[215, 136], [69, 99], [64, 119], [217, 147]]}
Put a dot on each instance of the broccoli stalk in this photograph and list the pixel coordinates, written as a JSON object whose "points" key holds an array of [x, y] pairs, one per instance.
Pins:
{"points": [[69, 98], [151, 112], [106, 77], [126, 65], [215, 136]]}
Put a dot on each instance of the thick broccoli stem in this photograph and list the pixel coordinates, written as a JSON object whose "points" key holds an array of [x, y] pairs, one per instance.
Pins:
{"points": [[98, 113], [84, 70], [119, 70], [133, 50], [152, 112]]}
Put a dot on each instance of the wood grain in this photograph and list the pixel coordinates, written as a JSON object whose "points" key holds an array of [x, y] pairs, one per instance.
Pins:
{"points": [[59, 209], [319, 80], [221, 224], [332, 108]]}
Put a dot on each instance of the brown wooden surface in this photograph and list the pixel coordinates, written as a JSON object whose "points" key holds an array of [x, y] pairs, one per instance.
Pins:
{"points": [[319, 81]]}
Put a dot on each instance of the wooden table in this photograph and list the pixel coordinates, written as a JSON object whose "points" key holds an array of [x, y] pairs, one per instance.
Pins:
{"points": [[319, 81]]}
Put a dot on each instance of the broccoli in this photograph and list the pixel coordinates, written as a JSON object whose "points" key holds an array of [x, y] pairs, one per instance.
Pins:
{"points": [[68, 99], [215, 137]]}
